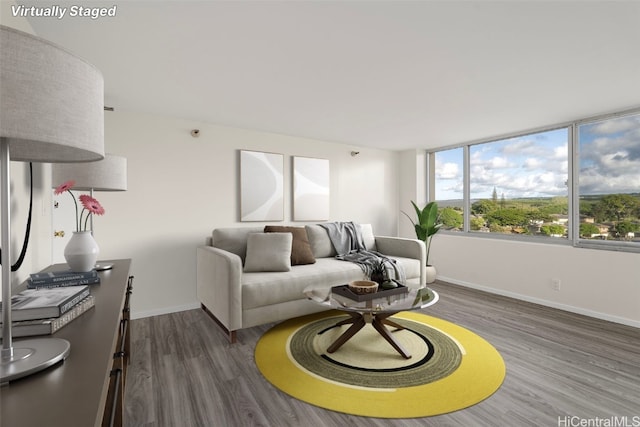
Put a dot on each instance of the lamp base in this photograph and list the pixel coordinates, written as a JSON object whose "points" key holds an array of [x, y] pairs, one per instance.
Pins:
{"points": [[101, 266], [31, 356]]}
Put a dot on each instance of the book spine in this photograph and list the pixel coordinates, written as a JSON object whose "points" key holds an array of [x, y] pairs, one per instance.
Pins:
{"points": [[75, 282], [76, 311], [69, 305], [38, 279], [27, 328]]}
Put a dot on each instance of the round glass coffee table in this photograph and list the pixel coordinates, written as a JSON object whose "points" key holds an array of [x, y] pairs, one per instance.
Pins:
{"points": [[374, 309]]}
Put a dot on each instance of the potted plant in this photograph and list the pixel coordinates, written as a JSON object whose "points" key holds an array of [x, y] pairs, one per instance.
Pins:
{"points": [[426, 226], [379, 274]]}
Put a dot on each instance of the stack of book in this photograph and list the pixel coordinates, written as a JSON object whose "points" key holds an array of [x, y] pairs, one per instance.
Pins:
{"points": [[56, 279], [45, 310]]}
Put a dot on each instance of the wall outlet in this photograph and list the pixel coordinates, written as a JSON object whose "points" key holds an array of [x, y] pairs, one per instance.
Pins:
{"points": [[555, 284]]}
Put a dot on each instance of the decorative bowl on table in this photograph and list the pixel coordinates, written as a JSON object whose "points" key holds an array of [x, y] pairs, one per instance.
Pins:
{"points": [[362, 287]]}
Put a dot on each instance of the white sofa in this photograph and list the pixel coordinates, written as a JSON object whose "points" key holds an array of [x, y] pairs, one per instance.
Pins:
{"points": [[238, 299]]}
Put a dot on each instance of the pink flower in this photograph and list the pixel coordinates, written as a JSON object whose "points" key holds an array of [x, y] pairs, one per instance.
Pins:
{"points": [[64, 187], [91, 204]]}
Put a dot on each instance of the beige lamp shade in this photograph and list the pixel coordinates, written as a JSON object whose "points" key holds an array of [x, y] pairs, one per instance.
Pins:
{"points": [[108, 174], [51, 101], [51, 110]]}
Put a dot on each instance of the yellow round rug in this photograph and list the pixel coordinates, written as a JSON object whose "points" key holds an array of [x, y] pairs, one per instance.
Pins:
{"points": [[450, 368]]}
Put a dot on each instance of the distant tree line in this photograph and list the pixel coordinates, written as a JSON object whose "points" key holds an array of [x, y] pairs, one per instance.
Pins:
{"points": [[620, 211]]}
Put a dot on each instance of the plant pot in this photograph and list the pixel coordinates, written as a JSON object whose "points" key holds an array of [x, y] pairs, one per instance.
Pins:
{"points": [[81, 252], [430, 273]]}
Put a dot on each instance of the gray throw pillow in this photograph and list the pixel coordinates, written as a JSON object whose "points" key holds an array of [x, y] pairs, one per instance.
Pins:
{"points": [[321, 245], [268, 252]]}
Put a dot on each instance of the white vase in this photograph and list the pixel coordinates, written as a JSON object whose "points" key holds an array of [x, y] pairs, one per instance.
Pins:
{"points": [[430, 273], [81, 252]]}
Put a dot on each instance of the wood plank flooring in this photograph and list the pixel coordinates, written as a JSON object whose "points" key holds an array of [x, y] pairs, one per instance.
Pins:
{"points": [[559, 365]]}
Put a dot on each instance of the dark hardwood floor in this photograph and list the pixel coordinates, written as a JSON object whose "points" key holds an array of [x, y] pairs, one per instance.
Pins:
{"points": [[563, 369]]}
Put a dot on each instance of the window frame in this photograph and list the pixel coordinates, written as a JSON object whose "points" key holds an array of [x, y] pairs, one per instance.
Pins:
{"points": [[573, 195]]}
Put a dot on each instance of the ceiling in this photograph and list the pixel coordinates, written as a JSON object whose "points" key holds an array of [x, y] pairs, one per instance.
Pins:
{"points": [[386, 74]]}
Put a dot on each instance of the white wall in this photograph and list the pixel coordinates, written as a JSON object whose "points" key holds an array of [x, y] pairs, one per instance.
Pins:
{"points": [[598, 283], [180, 188], [412, 188]]}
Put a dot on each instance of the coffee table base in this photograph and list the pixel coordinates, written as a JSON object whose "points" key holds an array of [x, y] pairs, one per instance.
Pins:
{"points": [[378, 321]]}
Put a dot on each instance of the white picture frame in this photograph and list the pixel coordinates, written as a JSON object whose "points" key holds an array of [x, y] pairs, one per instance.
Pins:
{"points": [[311, 189], [261, 186]]}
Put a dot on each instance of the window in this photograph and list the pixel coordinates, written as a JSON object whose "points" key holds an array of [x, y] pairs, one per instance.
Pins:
{"points": [[449, 185], [519, 185], [575, 183], [608, 190]]}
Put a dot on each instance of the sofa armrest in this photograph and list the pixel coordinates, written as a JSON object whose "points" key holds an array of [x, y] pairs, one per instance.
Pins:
{"points": [[219, 285], [407, 248]]}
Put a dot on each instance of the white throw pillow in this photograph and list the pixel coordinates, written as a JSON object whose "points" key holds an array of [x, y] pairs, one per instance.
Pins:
{"points": [[268, 252]]}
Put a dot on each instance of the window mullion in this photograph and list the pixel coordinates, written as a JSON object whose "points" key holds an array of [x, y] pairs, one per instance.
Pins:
{"points": [[466, 191], [574, 196]]}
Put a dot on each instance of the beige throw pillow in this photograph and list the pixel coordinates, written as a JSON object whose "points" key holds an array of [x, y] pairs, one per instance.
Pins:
{"points": [[268, 252]]}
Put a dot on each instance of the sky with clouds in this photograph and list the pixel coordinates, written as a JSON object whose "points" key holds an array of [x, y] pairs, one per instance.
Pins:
{"points": [[536, 165], [610, 156]]}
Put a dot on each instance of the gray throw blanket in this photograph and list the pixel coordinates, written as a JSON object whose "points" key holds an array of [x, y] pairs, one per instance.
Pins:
{"points": [[348, 243]]}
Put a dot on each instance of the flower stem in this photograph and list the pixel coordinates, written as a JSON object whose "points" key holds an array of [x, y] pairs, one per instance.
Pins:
{"points": [[75, 203], [86, 219]]}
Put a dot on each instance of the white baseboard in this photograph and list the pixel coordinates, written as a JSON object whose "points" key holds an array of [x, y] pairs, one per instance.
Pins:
{"points": [[547, 303], [164, 310]]}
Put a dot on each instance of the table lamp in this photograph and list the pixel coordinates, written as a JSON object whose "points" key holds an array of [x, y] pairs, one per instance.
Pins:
{"points": [[108, 174], [51, 110]]}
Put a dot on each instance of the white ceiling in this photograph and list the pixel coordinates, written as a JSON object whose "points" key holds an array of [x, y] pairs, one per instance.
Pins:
{"points": [[388, 74]]}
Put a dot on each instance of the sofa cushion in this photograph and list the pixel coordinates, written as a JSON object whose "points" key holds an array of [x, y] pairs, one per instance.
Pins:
{"points": [[233, 239], [300, 249], [268, 252], [263, 289]]}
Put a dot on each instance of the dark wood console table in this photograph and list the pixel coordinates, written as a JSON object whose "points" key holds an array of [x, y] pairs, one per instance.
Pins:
{"points": [[88, 387]]}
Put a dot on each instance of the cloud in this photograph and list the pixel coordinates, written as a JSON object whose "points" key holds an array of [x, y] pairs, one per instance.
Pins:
{"points": [[530, 166], [610, 126], [610, 156], [592, 182], [447, 170], [560, 152], [513, 185], [494, 162], [518, 146], [532, 163]]}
